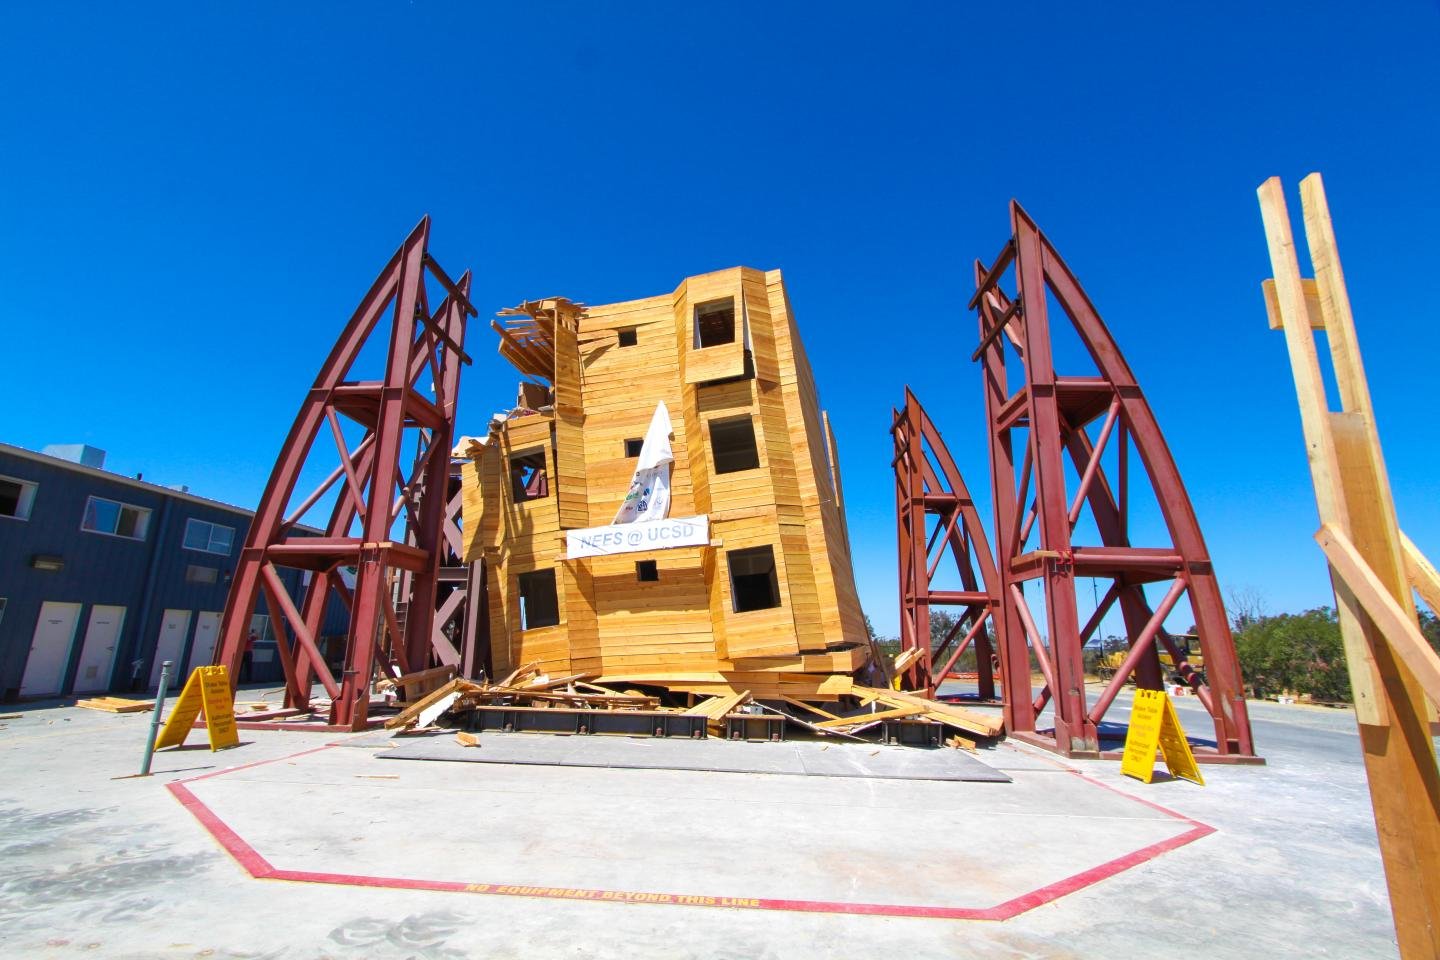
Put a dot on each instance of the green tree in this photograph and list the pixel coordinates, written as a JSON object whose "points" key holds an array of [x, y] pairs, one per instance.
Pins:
{"points": [[1300, 652], [1430, 627]]}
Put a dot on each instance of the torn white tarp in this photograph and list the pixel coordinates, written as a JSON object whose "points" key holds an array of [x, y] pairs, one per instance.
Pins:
{"points": [[649, 495]]}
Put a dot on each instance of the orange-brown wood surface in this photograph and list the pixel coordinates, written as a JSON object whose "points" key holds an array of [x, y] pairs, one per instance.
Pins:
{"points": [[682, 629]]}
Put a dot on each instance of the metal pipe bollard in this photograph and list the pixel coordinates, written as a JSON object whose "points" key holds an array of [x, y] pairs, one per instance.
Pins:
{"points": [[155, 717]]}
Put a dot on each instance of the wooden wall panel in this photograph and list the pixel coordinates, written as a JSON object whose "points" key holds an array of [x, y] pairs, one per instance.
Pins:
{"points": [[571, 502], [682, 629], [843, 619]]}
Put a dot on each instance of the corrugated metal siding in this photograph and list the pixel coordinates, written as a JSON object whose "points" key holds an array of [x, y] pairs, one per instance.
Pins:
{"points": [[104, 569]]}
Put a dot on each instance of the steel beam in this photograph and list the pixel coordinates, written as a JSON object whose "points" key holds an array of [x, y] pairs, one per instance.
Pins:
{"points": [[1028, 402], [421, 349], [928, 484]]}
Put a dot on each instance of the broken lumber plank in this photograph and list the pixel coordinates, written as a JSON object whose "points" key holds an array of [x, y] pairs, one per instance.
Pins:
{"points": [[605, 691], [467, 739], [831, 732], [810, 707], [519, 672], [433, 712], [415, 685], [892, 714], [961, 743], [717, 707], [972, 721], [413, 711], [541, 683], [905, 658]]}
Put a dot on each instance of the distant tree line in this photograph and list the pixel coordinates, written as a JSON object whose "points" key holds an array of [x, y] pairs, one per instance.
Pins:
{"points": [[1288, 653], [1302, 653]]}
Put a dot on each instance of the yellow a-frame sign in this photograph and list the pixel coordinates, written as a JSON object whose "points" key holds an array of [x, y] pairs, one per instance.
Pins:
{"points": [[1154, 725], [207, 689]]}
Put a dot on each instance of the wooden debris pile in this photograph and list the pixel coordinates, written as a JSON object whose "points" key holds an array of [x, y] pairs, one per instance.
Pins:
{"points": [[527, 689]]}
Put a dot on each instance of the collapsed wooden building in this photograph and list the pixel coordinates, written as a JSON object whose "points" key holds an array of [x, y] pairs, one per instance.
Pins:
{"points": [[760, 596]]}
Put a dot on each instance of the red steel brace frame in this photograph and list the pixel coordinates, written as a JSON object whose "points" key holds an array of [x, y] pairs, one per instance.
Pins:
{"points": [[1054, 411], [375, 490], [923, 489]]}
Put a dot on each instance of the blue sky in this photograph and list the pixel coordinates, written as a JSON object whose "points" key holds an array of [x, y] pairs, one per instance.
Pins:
{"points": [[195, 196]]}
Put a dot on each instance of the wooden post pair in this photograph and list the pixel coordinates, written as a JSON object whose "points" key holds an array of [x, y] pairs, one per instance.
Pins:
{"points": [[1373, 565]]}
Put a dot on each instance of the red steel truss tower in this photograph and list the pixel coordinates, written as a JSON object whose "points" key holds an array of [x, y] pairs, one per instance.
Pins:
{"points": [[385, 524], [928, 485], [1050, 532]]}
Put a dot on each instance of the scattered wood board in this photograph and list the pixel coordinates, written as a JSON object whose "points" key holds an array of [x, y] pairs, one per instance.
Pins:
{"points": [[116, 705], [971, 721]]}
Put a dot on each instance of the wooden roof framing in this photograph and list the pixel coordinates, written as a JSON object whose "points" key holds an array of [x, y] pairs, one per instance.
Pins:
{"points": [[527, 335]]}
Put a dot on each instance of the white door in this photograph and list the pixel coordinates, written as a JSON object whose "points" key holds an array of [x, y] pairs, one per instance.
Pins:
{"points": [[207, 631], [50, 649], [172, 640], [97, 656]]}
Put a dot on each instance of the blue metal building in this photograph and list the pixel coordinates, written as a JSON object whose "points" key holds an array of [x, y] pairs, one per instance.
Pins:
{"points": [[103, 576]]}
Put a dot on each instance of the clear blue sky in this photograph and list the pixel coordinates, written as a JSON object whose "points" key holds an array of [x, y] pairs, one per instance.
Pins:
{"points": [[194, 197]]}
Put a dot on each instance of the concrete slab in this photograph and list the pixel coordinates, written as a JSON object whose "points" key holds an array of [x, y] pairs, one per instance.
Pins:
{"points": [[97, 867], [688, 836], [795, 758]]}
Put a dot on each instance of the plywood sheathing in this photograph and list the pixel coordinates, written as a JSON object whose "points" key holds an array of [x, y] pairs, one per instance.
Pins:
{"points": [[682, 630]]}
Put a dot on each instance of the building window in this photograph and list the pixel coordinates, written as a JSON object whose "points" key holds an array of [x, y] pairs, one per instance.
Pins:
{"points": [[715, 323], [116, 519], [208, 537], [538, 606], [527, 476], [646, 571], [732, 443], [633, 446], [16, 498], [2, 609], [194, 573], [753, 584], [629, 337]]}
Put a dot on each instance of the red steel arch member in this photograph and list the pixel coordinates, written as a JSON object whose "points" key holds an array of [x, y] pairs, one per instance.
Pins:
{"points": [[386, 483], [1042, 417]]}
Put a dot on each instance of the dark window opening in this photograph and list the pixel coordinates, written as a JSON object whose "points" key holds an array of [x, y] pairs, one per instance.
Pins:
{"points": [[538, 606], [634, 446], [732, 442], [753, 584], [647, 571], [628, 337], [10, 493], [528, 480], [715, 323], [194, 573]]}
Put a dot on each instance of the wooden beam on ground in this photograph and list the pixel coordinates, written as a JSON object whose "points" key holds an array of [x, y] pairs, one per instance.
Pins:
{"points": [[806, 706], [892, 714]]}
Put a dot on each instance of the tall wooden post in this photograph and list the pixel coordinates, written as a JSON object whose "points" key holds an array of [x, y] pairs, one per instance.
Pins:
{"points": [[1391, 666]]}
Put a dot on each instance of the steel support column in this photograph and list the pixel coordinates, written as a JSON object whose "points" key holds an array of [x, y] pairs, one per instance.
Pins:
{"points": [[928, 484], [423, 351], [1031, 406]]}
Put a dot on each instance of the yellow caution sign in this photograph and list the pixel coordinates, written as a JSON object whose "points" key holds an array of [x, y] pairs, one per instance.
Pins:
{"points": [[1154, 726], [207, 690]]}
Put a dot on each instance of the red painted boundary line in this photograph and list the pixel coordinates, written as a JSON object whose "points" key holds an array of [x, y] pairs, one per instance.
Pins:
{"points": [[261, 869]]}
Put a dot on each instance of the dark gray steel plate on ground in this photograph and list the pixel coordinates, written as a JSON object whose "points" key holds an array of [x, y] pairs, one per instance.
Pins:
{"points": [[796, 758]]}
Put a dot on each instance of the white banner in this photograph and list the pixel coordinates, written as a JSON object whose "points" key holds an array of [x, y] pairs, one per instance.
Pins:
{"points": [[649, 495], [642, 535]]}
